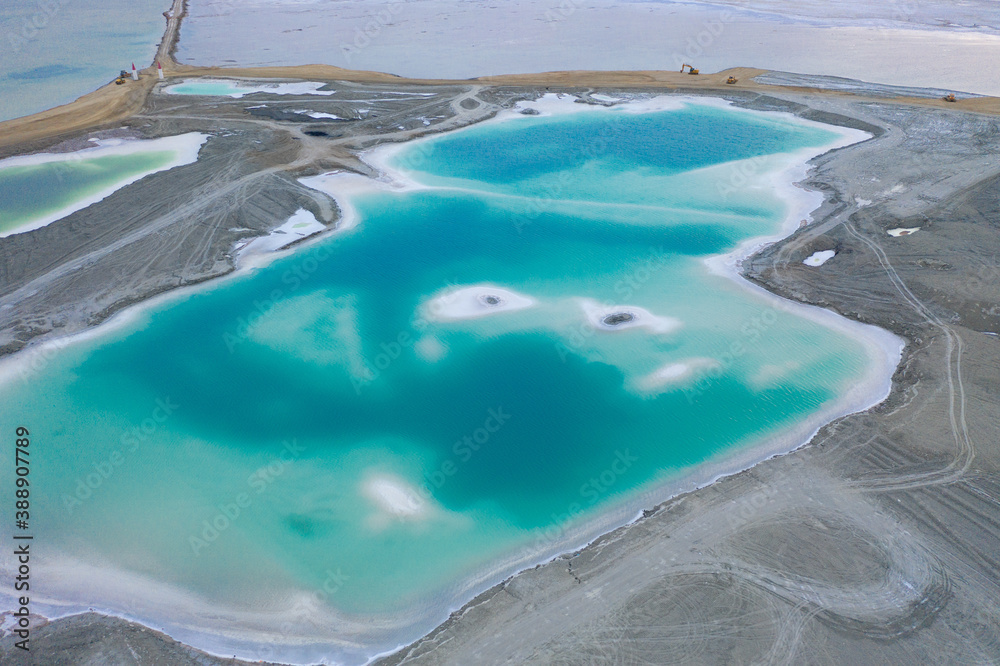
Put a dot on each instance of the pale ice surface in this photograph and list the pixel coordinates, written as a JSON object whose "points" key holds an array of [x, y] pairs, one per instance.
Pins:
{"points": [[977, 15], [53, 51], [935, 44], [819, 258], [902, 231]]}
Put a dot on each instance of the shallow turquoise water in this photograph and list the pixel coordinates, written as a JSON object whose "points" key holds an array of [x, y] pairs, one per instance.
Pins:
{"points": [[31, 192], [218, 87], [207, 88], [285, 402]]}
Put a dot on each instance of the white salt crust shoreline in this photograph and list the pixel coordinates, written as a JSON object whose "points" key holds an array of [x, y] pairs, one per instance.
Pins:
{"points": [[184, 146], [363, 639], [301, 224]]}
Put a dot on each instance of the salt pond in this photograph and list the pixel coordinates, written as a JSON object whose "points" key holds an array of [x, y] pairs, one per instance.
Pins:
{"points": [[36, 190], [522, 335]]}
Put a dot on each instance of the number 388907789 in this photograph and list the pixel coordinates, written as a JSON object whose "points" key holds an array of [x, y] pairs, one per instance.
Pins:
{"points": [[22, 469]]}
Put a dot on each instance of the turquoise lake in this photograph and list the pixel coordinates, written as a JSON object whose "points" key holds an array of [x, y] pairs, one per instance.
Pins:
{"points": [[340, 417], [30, 192]]}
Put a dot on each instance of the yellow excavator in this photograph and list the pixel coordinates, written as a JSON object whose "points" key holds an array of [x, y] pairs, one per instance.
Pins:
{"points": [[950, 97], [731, 80], [121, 78], [691, 70]]}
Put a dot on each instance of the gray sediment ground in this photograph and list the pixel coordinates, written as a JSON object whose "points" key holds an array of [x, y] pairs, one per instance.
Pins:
{"points": [[877, 542]]}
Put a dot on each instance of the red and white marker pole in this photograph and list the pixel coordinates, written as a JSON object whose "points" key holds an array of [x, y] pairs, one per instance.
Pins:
{"points": [[159, 70], [135, 74]]}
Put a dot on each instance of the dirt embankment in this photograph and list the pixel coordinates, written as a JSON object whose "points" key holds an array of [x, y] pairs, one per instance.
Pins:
{"points": [[112, 103]]}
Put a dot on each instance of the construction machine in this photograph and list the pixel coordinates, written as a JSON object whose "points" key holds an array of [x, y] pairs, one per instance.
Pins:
{"points": [[950, 97], [691, 70], [731, 80]]}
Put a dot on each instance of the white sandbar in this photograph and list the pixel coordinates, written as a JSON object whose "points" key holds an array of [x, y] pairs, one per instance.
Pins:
{"points": [[430, 348], [394, 496], [674, 373], [475, 301], [641, 317]]}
